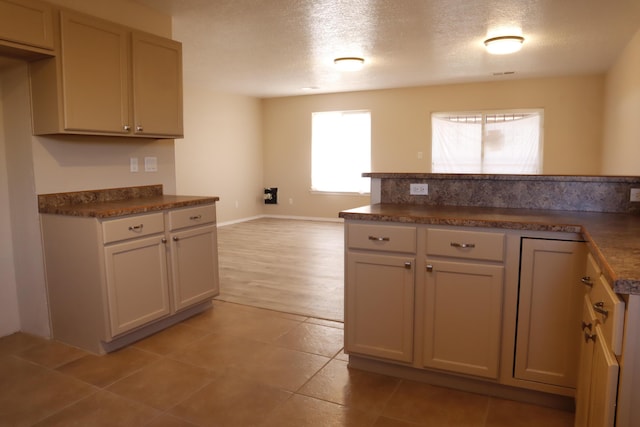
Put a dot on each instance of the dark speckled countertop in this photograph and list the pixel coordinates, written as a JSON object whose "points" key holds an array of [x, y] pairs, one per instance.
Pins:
{"points": [[116, 202], [613, 238]]}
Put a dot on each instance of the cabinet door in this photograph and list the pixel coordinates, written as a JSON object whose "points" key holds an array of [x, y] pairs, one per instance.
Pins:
{"points": [[137, 285], [549, 307], [583, 389], [379, 306], [604, 384], [95, 73], [28, 22], [157, 85], [463, 317], [194, 265]]}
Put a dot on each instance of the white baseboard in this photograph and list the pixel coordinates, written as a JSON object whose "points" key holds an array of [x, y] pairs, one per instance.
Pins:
{"points": [[305, 218], [298, 218], [237, 221]]}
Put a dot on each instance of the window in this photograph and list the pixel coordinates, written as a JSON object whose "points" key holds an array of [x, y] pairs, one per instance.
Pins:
{"points": [[508, 142], [340, 151]]}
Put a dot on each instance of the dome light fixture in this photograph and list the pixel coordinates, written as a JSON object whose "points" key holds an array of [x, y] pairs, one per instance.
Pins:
{"points": [[504, 44], [349, 63]]}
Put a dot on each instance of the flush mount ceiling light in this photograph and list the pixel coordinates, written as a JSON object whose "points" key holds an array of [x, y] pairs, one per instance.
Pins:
{"points": [[504, 44], [350, 63]]}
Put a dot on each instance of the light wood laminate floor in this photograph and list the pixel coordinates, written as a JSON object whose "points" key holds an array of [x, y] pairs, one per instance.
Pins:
{"points": [[286, 265]]}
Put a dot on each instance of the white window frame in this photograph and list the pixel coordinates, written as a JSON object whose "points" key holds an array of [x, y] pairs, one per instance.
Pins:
{"points": [[338, 139], [514, 113]]}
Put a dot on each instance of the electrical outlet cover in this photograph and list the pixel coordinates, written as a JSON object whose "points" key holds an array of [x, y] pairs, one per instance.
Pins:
{"points": [[419, 189]]}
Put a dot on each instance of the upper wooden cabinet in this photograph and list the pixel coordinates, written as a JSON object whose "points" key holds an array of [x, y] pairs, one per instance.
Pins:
{"points": [[26, 26], [157, 85], [95, 75], [108, 80]]}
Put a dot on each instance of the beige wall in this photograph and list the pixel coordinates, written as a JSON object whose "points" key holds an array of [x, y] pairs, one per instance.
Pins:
{"points": [[621, 143], [9, 316], [35, 165], [31, 302], [221, 153], [401, 129]]}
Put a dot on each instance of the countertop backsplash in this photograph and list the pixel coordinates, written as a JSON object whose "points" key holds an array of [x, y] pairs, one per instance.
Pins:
{"points": [[552, 192]]}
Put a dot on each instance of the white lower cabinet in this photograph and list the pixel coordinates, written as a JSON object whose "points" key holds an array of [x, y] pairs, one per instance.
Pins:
{"points": [[137, 285], [193, 275], [379, 306], [113, 280], [476, 308], [460, 279], [379, 291], [549, 307], [598, 381], [463, 317], [604, 385], [463, 297], [601, 341]]}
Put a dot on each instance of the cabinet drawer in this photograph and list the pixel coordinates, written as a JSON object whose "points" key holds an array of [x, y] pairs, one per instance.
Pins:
{"points": [[592, 272], [390, 238], [132, 227], [609, 310], [188, 217], [466, 244]]}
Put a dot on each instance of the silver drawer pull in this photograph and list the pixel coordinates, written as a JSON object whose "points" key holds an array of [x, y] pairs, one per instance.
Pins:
{"points": [[176, 238], [135, 227], [599, 308], [379, 239], [429, 268], [587, 281], [588, 336], [463, 245], [407, 265], [195, 217]]}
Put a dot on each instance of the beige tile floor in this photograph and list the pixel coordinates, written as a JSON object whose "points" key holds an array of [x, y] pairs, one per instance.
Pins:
{"points": [[232, 366]]}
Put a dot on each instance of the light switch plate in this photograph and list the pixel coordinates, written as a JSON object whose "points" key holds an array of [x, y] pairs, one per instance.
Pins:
{"points": [[133, 164], [635, 195], [150, 164]]}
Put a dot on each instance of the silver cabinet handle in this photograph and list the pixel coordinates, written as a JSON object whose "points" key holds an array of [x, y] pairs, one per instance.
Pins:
{"points": [[599, 308], [463, 245], [126, 128], [429, 268], [379, 239], [163, 240], [588, 336], [176, 238], [195, 217], [407, 265], [136, 227], [587, 281], [139, 128]]}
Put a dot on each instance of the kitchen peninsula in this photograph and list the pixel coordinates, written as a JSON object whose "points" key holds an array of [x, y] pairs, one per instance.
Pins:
{"points": [[124, 263], [481, 284]]}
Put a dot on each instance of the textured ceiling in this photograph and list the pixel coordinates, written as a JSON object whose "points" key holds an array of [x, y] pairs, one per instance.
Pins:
{"points": [[268, 48]]}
